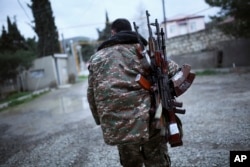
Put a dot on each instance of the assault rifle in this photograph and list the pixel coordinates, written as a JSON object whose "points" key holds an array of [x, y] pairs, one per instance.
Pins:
{"points": [[164, 88]]}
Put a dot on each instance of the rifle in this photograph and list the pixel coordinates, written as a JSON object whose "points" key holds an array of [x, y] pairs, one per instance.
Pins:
{"points": [[161, 67], [162, 86], [141, 51]]}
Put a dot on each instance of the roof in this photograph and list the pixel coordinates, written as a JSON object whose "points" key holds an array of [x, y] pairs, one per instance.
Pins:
{"points": [[182, 18], [60, 55]]}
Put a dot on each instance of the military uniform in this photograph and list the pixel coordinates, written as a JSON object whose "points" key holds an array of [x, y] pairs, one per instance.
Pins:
{"points": [[121, 106]]}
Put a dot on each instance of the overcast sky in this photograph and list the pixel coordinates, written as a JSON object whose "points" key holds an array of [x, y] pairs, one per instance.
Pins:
{"points": [[83, 17]]}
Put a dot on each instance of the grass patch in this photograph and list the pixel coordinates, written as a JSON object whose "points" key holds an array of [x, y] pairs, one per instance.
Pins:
{"points": [[14, 96], [82, 78], [14, 101], [17, 102]]}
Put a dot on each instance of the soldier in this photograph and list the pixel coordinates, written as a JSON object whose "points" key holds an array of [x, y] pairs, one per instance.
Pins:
{"points": [[120, 105]]}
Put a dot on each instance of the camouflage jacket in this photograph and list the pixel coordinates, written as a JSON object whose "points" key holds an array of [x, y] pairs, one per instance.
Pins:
{"points": [[118, 103]]}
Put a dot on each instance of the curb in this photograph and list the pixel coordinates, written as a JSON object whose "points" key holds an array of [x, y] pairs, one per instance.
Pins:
{"points": [[37, 92]]}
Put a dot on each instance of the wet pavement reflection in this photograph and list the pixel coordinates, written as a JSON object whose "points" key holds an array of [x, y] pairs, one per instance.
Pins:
{"points": [[48, 113]]}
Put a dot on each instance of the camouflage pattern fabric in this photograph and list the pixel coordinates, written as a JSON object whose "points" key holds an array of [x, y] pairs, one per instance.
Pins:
{"points": [[153, 153], [118, 103]]}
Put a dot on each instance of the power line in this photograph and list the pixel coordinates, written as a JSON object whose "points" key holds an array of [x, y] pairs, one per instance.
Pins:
{"points": [[86, 25], [81, 25], [23, 10], [202, 10]]}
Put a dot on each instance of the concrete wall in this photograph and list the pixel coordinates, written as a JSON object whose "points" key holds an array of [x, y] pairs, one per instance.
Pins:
{"points": [[46, 72], [72, 68], [61, 65], [198, 60], [63, 72], [235, 52], [41, 74], [49, 71]]}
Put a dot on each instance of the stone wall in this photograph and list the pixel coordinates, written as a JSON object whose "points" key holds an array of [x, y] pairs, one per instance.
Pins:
{"points": [[195, 42], [209, 48]]}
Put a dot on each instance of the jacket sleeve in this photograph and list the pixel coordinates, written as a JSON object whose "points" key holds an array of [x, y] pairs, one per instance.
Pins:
{"points": [[91, 99]]}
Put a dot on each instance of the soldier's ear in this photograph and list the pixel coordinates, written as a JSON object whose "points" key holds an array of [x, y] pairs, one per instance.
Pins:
{"points": [[113, 32]]}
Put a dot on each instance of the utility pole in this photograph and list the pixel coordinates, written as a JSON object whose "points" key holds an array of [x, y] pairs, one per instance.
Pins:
{"points": [[164, 19]]}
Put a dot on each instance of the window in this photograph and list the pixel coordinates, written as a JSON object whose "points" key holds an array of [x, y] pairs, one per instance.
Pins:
{"points": [[192, 26], [172, 29], [182, 23]]}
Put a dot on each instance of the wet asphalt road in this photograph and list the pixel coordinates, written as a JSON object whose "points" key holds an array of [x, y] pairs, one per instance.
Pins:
{"points": [[57, 129]]}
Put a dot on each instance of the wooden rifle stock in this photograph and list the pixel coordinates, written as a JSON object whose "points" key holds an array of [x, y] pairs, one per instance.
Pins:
{"points": [[151, 40], [143, 82], [182, 80], [141, 52]]}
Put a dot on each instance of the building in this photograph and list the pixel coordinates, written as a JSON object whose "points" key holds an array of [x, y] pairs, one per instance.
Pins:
{"points": [[181, 25], [73, 47], [49, 71]]}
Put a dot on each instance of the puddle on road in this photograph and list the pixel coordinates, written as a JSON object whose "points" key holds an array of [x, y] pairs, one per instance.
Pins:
{"points": [[68, 105], [45, 115], [77, 107]]}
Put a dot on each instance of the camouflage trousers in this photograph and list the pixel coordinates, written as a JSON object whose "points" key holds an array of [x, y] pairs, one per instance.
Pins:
{"points": [[153, 153]]}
